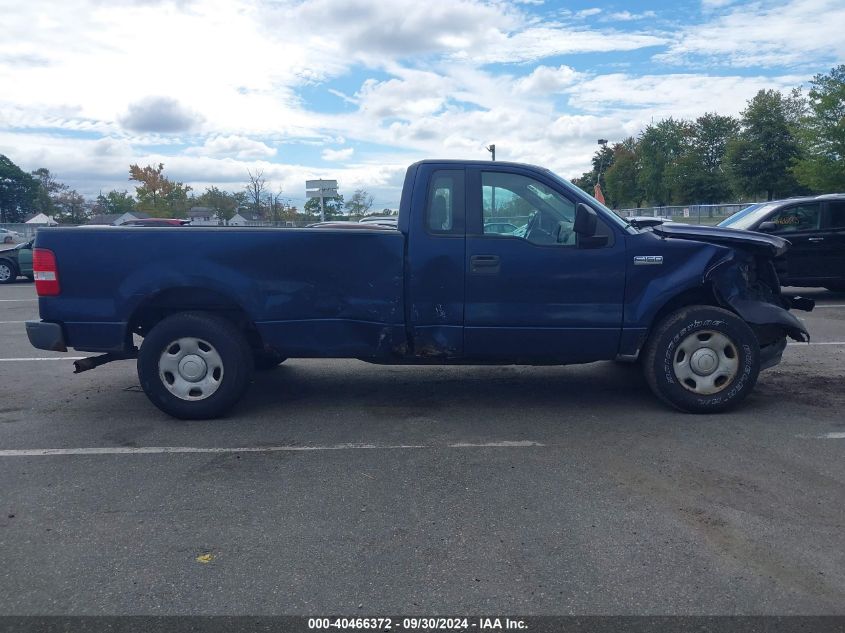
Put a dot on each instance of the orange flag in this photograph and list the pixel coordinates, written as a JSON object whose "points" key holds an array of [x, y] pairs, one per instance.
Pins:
{"points": [[597, 194]]}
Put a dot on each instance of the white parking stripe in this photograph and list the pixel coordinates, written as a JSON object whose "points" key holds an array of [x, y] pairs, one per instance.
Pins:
{"points": [[8, 322], [23, 360], [831, 305], [836, 435], [157, 450], [818, 343], [18, 300]]}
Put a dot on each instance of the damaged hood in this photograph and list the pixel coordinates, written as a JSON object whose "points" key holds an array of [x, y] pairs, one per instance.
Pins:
{"points": [[749, 240]]}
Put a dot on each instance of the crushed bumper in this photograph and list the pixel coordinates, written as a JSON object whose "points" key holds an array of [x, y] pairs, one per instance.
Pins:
{"points": [[44, 335]]}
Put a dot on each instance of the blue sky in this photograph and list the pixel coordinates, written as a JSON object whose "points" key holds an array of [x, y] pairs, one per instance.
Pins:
{"points": [[357, 89]]}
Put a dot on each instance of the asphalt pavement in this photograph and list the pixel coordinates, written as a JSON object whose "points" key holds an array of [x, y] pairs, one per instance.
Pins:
{"points": [[342, 487]]}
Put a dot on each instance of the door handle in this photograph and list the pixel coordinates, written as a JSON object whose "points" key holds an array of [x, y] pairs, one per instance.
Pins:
{"points": [[484, 264], [815, 239]]}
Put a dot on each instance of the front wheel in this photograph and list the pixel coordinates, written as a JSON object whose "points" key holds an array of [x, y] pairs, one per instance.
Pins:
{"points": [[195, 365], [702, 359]]}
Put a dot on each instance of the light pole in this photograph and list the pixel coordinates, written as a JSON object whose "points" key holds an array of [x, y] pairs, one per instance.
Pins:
{"points": [[492, 149], [603, 143]]}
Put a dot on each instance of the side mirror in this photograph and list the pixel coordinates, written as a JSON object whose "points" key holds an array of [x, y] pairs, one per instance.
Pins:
{"points": [[767, 227], [585, 220]]}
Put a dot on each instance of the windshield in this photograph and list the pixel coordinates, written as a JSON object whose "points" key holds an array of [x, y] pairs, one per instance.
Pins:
{"points": [[593, 202], [749, 216]]}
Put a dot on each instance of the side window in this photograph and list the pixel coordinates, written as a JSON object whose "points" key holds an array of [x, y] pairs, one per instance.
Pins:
{"points": [[836, 214], [522, 207], [445, 203], [802, 217]]}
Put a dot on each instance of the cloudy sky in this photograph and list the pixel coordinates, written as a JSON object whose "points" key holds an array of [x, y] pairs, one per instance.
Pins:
{"points": [[358, 89]]}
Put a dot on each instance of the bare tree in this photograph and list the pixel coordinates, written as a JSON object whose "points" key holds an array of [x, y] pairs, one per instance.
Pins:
{"points": [[255, 189]]}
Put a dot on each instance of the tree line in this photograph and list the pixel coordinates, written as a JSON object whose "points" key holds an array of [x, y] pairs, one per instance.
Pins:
{"points": [[781, 145], [25, 194]]}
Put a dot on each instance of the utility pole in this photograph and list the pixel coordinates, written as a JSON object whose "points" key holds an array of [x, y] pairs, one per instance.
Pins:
{"points": [[492, 149]]}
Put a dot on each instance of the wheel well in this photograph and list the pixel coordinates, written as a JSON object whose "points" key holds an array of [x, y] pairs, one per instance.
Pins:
{"points": [[700, 295], [174, 300], [11, 263]]}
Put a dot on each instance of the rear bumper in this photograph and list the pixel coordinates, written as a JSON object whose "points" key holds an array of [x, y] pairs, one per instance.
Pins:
{"points": [[84, 337], [44, 335]]}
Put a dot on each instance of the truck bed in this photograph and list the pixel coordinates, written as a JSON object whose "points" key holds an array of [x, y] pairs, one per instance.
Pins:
{"points": [[309, 291]]}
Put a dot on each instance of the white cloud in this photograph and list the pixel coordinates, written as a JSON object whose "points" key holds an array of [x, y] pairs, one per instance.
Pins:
{"points": [[627, 16], [544, 80], [790, 33], [238, 147], [333, 155]]}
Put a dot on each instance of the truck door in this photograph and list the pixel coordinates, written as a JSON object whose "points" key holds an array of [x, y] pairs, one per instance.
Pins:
{"points": [[435, 267], [537, 292]]}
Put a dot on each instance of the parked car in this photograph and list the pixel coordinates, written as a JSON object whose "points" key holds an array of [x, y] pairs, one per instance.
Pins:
{"points": [[500, 227], [700, 306], [10, 237], [386, 221], [157, 222], [16, 262], [815, 226]]}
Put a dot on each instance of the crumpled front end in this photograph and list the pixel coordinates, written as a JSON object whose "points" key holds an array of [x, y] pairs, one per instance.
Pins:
{"points": [[748, 284]]}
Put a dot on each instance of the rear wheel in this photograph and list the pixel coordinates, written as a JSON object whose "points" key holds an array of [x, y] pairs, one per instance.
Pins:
{"points": [[702, 359], [8, 273], [8, 240], [195, 365]]}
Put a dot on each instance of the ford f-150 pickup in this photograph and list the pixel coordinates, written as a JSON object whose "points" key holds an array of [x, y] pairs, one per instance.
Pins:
{"points": [[491, 262]]}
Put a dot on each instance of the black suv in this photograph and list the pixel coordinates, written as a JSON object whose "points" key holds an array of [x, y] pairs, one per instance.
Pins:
{"points": [[815, 226]]}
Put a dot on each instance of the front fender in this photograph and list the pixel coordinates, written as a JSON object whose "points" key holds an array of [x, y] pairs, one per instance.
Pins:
{"points": [[748, 285]]}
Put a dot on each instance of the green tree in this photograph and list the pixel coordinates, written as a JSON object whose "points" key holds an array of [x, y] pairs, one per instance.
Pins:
{"points": [[333, 206], [71, 207], [761, 158], [822, 134], [622, 178], [223, 203], [660, 148], [360, 202], [699, 174], [157, 194], [49, 189], [18, 192], [116, 202]]}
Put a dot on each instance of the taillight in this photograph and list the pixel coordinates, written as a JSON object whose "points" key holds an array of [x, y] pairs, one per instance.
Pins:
{"points": [[45, 272]]}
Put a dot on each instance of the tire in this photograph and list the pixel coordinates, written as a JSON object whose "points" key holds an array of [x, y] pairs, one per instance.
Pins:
{"points": [[702, 359], [267, 360], [9, 240], [195, 365], [8, 272]]}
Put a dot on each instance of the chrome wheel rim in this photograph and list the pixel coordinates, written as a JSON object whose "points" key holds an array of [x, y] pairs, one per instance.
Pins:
{"points": [[5, 272], [706, 362], [191, 369]]}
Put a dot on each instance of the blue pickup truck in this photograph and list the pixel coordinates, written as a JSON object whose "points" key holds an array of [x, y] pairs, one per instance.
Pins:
{"points": [[568, 281]]}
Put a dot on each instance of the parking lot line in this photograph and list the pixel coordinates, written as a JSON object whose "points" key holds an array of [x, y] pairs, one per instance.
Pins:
{"points": [[836, 435], [18, 300], [819, 343], [8, 322], [157, 450], [23, 360]]}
